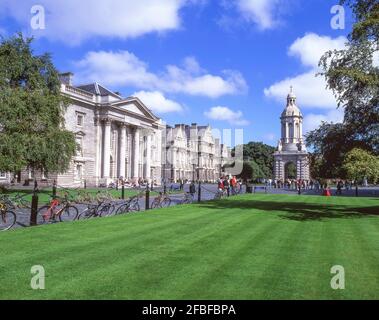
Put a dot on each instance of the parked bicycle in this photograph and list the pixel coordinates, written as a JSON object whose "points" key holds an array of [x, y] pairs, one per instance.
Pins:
{"points": [[7, 217], [188, 198], [220, 194], [90, 212], [58, 210], [16, 201], [161, 201], [131, 205]]}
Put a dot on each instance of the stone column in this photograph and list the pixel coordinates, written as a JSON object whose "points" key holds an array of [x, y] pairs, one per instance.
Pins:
{"points": [[107, 148], [136, 154], [173, 154], [122, 150], [98, 142], [148, 158], [287, 135]]}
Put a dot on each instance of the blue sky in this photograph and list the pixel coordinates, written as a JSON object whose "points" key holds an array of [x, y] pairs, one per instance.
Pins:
{"points": [[226, 63]]}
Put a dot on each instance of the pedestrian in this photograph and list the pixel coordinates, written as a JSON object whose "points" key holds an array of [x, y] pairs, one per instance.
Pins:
{"points": [[192, 189], [227, 185]]}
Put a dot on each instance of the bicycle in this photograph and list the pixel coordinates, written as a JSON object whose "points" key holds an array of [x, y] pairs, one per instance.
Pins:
{"points": [[220, 194], [16, 201], [131, 205], [188, 198], [7, 217], [161, 201], [57, 209], [90, 212]]}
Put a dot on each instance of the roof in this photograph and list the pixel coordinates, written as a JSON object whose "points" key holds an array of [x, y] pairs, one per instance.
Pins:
{"points": [[98, 90], [291, 108]]}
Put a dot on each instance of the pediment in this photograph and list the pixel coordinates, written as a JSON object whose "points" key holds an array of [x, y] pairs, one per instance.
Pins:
{"points": [[134, 105]]}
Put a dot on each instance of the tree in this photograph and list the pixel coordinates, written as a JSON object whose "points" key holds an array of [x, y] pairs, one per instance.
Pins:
{"points": [[262, 156], [251, 171], [353, 76], [32, 130], [360, 164]]}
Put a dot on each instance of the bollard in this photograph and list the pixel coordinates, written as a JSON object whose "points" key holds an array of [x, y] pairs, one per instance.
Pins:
{"points": [[147, 203], [33, 215], [199, 193], [122, 192], [164, 188], [85, 184]]}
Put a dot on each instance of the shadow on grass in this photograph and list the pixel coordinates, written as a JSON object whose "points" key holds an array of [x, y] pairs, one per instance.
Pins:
{"points": [[296, 210]]}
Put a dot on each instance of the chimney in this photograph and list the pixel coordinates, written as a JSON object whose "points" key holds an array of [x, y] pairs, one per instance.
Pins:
{"points": [[66, 78]]}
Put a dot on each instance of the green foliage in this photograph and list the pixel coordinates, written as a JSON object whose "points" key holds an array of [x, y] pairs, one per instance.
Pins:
{"points": [[31, 109], [291, 171], [353, 77], [360, 164], [261, 158]]}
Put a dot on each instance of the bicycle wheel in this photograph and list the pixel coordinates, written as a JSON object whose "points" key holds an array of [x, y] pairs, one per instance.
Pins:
{"points": [[155, 204], [122, 209], [7, 220], [43, 215], [134, 207], [70, 213], [105, 210], [166, 203], [87, 214]]}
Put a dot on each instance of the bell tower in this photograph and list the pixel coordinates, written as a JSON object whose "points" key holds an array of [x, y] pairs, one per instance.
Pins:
{"points": [[291, 147]]}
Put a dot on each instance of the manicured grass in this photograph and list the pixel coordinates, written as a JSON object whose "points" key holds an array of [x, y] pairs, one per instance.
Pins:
{"points": [[247, 247]]}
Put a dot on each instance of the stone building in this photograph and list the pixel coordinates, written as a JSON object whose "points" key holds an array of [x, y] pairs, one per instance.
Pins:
{"points": [[116, 137], [121, 138], [192, 153], [291, 147]]}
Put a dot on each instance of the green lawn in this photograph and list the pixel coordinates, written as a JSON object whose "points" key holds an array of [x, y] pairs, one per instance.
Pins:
{"points": [[248, 247]]}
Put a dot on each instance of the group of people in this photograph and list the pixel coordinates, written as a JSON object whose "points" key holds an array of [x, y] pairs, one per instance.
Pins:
{"points": [[229, 185]]}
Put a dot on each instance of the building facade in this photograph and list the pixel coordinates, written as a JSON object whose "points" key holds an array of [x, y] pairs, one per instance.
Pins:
{"points": [[120, 137], [291, 147], [115, 137], [193, 153]]}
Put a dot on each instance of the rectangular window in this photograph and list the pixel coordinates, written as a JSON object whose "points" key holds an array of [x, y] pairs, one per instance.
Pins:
{"points": [[79, 120], [79, 146], [30, 174], [78, 172], [44, 175]]}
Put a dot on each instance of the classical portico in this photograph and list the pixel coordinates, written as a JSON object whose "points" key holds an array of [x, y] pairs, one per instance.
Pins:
{"points": [[124, 151], [291, 147]]}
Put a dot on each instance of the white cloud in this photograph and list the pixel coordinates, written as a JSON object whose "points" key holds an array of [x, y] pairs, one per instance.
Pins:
{"points": [[313, 121], [123, 68], [157, 102], [311, 90], [225, 114], [264, 13], [311, 47], [74, 21]]}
